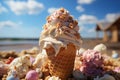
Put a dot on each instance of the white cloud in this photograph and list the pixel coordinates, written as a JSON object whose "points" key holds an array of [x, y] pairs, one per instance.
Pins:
{"points": [[87, 31], [2, 9], [22, 7], [91, 30], [87, 25], [8, 24], [87, 19], [81, 28], [85, 1], [51, 10], [80, 8], [111, 17]]}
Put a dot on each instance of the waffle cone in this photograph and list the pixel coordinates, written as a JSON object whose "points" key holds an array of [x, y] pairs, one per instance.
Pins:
{"points": [[62, 64]]}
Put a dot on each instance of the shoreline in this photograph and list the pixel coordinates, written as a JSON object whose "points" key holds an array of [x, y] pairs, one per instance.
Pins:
{"points": [[19, 45]]}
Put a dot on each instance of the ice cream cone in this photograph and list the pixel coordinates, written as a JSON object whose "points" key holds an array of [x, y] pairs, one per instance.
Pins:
{"points": [[62, 65], [60, 39]]}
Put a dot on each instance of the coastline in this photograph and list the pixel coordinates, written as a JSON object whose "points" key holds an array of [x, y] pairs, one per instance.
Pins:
{"points": [[18, 45]]}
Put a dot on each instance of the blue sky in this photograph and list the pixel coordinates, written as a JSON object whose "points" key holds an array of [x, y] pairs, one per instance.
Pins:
{"points": [[25, 18]]}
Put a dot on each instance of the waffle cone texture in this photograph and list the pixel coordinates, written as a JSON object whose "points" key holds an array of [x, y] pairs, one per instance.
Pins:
{"points": [[61, 65]]}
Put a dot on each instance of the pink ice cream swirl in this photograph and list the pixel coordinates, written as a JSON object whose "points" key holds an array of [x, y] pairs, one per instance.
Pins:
{"points": [[92, 63]]}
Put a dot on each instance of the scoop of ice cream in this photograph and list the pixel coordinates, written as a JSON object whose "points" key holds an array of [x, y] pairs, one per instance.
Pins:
{"points": [[21, 60], [21, 65], [92, 57], [12, 78], [92, 63], [105, 77], [101, 48], [32, 75], [59, 31]]}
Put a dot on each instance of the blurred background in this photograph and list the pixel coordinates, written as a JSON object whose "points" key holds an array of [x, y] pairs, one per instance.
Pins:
{"points": [[21, 22]]}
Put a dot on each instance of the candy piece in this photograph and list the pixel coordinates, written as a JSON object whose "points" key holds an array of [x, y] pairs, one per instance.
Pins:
{"points": [[32, 75], [115, 54], [12, 78], [10, 59]]}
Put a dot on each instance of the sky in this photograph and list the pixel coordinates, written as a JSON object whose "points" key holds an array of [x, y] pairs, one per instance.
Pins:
{"points": [[25, 18]]}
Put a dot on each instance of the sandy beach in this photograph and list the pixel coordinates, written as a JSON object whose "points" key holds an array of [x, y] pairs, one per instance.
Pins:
{"points": [[20, 48]]}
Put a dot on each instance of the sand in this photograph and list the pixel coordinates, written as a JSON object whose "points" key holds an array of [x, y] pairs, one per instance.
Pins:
{"points": [[16, 50]]}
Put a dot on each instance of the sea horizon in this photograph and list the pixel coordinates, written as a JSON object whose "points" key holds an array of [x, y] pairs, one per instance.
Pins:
{"points": [[15, 38], [19, 44]]}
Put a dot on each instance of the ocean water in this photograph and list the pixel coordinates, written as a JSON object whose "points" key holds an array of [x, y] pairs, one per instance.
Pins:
{"points": [[19, 45]]}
